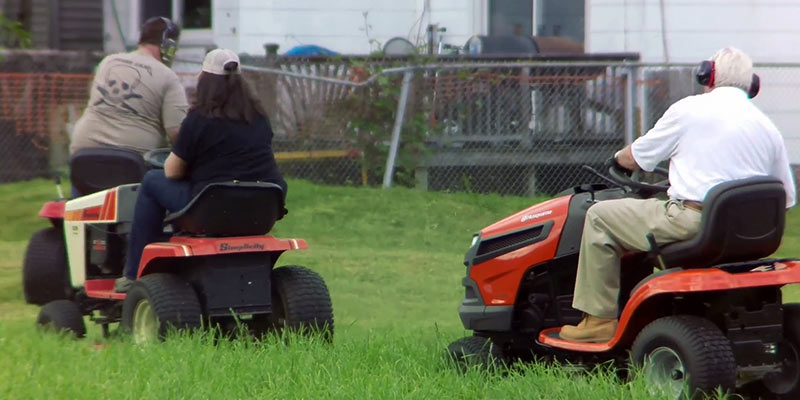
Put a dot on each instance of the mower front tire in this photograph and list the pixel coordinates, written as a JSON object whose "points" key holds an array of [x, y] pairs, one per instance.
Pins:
{"points": [[157, 302], [301, 302], [62, 316], [477, 351], [45, 276], [684, 352]]}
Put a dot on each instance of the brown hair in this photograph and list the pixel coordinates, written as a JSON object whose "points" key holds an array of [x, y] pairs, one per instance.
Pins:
{"points": [[153, 31], [226, 96]]}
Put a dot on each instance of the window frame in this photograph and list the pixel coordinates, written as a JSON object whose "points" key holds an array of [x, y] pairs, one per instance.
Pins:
{"points": [[487, 17], [194, 35], [197, 37]]}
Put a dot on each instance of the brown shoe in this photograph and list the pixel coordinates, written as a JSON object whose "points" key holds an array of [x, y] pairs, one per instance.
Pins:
{"points": [[590, 329]]}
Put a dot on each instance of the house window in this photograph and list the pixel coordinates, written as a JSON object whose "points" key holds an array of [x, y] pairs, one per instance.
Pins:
{"points": [[189, 14], [196, 14], [563, 18], [511, 17], [193, 16]]}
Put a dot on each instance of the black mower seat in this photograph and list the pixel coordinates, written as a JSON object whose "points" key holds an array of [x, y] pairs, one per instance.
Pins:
{"points": [[742, 220], [94, 169], [231, 209]]}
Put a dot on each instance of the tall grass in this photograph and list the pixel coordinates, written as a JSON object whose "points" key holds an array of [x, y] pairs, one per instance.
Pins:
{"points": [[393, 263]]}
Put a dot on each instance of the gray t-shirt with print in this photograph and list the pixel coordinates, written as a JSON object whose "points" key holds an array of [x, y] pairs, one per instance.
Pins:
{"points": [[134, 99]]}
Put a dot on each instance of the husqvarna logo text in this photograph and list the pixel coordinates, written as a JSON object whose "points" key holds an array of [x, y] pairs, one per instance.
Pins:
{"points": [[528, 217], [240, 247]]}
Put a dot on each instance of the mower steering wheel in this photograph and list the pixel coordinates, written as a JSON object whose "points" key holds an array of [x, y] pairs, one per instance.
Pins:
{"points": [[156, 158], [633, 181]]}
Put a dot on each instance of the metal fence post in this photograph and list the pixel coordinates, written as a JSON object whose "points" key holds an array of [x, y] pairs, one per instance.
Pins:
{"points": [[630, 104], [398, 125]]}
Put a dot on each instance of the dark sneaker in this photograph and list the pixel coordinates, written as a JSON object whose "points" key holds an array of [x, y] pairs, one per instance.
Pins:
{"points": [[122, 285]]}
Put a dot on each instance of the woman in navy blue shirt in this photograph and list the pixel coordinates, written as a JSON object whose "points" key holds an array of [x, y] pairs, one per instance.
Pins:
{"points": [[226, 136]]}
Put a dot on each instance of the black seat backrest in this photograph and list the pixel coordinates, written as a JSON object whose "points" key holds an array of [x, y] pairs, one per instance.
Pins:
{"points": [[94, 169], [231, 209], [742, 220]]}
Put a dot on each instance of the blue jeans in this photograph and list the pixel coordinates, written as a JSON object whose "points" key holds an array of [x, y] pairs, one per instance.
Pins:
{"points": [[157, 195]]}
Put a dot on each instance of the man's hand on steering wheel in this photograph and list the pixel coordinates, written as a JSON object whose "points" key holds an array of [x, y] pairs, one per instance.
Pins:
{"points": [[613, 163], [633, 179]]}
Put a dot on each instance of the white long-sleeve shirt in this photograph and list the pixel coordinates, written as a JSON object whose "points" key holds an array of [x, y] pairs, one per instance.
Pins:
{"points": [[713, 138]]}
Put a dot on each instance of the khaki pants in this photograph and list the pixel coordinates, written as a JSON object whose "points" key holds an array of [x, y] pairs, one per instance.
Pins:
{"points": [[615, 227]]}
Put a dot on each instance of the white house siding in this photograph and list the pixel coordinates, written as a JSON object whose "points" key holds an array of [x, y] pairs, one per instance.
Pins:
{"points": [[340, 25], [225, 23], [768, 30], [113, 40]]}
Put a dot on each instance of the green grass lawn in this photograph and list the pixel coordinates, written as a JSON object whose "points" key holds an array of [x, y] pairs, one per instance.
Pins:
{"points": [[393, 263]]}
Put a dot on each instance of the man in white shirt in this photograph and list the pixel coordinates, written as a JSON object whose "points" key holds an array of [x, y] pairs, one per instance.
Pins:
{"points": [[709, 139]]}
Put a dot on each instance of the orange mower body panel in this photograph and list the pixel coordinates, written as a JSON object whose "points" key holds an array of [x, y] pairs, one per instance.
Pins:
{"points": [[685, 281], [498, 278]]}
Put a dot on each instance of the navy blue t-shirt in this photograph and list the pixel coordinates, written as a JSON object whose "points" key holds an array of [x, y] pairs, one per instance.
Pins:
{"points": [[220, 150]]}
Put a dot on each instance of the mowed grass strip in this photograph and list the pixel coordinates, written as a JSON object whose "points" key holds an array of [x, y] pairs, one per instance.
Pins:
{"points": [[393, 262]]}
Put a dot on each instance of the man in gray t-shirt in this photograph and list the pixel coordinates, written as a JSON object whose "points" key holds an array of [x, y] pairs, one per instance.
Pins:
{"points": [[136, 99]]}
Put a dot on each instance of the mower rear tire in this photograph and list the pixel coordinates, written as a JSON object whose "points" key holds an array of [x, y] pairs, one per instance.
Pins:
{"points": [[684, 352], [62, 316], [45, 276], [785, 384], [477, 351], [301, 302], [157, 302]]}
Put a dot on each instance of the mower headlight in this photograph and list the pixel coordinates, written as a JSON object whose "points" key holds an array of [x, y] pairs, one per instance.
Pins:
{"points": [[474, 240]]}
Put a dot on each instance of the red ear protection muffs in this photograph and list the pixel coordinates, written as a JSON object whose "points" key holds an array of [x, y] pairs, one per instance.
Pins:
{"points": [[705, 77], [755, 86], [705, 73]]}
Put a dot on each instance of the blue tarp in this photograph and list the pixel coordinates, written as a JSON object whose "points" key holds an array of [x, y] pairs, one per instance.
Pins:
{"points": [[310, 50]]}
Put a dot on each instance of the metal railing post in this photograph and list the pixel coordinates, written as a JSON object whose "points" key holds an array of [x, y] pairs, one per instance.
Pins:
{"points": [[630, 104], [644, 112], [398, 125]]}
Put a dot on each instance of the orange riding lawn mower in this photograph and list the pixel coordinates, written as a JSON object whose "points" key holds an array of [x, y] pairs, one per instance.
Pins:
{"points": [[214, 267], [711, 317]]}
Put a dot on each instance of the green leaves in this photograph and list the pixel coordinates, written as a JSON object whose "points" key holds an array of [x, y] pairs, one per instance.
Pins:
{"points": [[13, 34]]}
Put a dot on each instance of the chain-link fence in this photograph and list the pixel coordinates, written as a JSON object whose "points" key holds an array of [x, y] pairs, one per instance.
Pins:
{"points": [[312, 108], [36, 112], [519, 129], [42, 93], [512, 128], [522, 127]]}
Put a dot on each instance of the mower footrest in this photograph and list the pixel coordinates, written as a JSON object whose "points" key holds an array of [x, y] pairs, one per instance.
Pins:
{"points": [[549, 337], [102, 289]]}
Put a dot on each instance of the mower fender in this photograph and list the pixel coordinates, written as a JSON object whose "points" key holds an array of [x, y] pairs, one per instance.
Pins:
{"points": [[53, 209], [181, 247]]}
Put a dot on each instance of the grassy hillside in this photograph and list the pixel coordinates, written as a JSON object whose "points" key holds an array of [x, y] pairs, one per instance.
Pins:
{"points": [[393, 262]]}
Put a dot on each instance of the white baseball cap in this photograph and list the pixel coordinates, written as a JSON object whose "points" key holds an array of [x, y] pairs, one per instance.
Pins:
{"points": [[217, 59]]}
